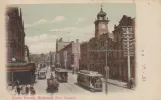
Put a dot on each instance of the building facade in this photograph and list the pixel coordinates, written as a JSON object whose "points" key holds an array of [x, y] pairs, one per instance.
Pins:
{"points": [[18, 65], [60, 44], [91, 58], [15, 35], [52, 58], [120, 68], [70, 55], [93, 54], [84, 56]]}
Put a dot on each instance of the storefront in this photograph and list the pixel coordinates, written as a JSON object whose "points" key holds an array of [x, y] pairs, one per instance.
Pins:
{"points": [[23, 72]]}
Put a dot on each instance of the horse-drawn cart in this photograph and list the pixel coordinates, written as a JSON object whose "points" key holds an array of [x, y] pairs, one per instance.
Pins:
{"points": [[52, 85]]}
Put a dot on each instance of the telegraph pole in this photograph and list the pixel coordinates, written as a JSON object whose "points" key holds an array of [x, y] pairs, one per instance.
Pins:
{"points": [[106, 68], [88, 61], [127, 41], [128, 58], [65, 58]]}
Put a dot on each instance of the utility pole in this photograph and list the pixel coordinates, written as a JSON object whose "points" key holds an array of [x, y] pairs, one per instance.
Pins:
{"points": [[78, 54], [65, 64], [88, 60], [127, 31], [106, 68], [65, 58]]}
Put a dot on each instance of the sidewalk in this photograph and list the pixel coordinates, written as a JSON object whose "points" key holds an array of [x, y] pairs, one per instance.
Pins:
{"points": [[117, 83]]}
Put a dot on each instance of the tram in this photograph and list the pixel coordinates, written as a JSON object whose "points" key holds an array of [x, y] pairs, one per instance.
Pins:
{"points": [[52, 68], [61, 74], [90, 80], [42, 74]]}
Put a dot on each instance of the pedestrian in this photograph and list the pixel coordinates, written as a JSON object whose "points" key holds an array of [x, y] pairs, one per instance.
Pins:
{"points": [[31, 87], [131, 83], [18, 90], [51, 76], [15, 89], [33, 92], [27, 89], [16, 82], [23, 90]]}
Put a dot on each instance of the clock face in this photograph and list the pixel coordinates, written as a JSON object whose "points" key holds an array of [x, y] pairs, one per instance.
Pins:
{"points": [[103, 25]]}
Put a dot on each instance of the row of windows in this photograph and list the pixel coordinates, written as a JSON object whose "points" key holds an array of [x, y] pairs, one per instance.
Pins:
{"points": [[14, 30], [117, 37], [103, 55]]}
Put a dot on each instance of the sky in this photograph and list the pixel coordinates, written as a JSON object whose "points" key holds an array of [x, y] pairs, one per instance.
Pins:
{"points": [[44, 23]]}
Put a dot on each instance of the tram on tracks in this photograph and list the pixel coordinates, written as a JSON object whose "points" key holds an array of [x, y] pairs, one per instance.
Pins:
{"points": [[90, 80], [61, 74]]}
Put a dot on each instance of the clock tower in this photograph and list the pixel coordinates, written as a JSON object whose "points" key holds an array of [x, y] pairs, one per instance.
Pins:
{"points": [[101, 23]]}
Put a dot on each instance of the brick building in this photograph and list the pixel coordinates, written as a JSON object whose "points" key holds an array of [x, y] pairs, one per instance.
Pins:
{"points": [[96, 60], [116, 60], [15, 35], [18, 65], [84, 56], [119, 69]]}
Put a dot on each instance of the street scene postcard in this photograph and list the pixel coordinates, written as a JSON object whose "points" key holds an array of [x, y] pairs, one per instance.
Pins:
{"points": [[58, 51]]}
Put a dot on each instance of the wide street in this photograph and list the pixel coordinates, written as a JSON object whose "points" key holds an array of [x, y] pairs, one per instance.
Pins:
{"points": [[72, 88]]}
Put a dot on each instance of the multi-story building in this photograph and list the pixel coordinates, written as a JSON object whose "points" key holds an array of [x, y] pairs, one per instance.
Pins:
{"points": [[84, 57], [18, 67], [70, 55], [120, 68], [60, 44], [15, 35], [95, 60], [52, 58], [93, 55]]}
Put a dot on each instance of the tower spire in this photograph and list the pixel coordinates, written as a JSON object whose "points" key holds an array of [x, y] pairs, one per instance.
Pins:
{"points": [[20, 14], [23, 24], [101, 7]]}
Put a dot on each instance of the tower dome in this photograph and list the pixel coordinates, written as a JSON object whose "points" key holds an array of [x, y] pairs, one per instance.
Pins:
{"points": [[101, 13]]}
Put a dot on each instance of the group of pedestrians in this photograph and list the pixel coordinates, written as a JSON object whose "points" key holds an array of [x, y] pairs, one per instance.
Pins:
{"points": [[25, 90], [22, 89]]}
